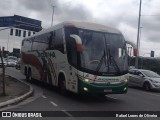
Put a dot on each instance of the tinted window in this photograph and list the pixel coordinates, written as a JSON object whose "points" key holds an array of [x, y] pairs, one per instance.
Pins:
{"points": [[19, 33], [132, 72], [151, 74], [71, 47], [72, 53], [16, 33], [29, 33], [56, 40], [11, 31], [24, 33]]}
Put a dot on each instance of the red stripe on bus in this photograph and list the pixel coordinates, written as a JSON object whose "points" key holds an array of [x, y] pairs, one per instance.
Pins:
{"points": [[34, 61], [52, 66]]}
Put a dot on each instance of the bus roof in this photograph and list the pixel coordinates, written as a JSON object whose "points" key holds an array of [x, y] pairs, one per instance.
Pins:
{"points": [[83, 25], [93, 26]]}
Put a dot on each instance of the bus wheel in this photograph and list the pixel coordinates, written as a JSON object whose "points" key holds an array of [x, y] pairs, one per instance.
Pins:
{"points": [[28, 75], [146, 86], [62, 85]]}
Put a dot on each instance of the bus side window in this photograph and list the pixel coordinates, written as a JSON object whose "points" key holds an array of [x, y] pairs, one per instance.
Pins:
{"points": [[57, 41], [72, 53], [51, 40]]}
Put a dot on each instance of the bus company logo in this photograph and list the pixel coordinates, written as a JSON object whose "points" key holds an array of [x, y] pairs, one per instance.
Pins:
{"points": [[50, 54], [108, 83], [6, 114]]}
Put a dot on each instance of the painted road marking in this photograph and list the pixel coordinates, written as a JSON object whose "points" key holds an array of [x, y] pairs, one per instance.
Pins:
{"points": [[43, 96], [111, 97], [53, 103], [67, 113]]}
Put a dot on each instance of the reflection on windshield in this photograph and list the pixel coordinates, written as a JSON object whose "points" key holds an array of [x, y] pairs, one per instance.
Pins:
{"points": [[151, 74], [103, 52]]}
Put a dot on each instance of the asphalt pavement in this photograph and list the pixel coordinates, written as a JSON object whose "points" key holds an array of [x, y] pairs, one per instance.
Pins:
{"points": [[48, 98]]}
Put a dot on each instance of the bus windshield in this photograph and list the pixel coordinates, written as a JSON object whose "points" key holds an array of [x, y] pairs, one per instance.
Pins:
{"points": [[103, 53]]}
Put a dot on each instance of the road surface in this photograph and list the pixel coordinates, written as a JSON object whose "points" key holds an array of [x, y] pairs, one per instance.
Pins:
{"points": [[47, 98]]}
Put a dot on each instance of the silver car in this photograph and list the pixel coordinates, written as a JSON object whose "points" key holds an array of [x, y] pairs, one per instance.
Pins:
{"points": [[11, 61], [146, 79]]}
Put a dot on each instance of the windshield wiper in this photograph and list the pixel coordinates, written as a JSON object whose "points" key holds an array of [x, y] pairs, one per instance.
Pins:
{"points": [[101, 61], [108, 62], [112, 60]]}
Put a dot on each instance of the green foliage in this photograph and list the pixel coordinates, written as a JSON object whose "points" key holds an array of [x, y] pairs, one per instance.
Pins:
{"points": [[146, 63]]}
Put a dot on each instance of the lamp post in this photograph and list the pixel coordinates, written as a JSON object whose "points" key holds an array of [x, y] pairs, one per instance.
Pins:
{"points": [[138, 36], [52, 14]]}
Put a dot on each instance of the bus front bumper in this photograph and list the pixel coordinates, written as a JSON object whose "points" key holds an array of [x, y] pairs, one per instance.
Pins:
{"points": [[87, 88]]}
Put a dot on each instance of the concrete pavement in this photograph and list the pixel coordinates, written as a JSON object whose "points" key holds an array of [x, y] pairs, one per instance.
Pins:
{"points": [[16, 91]]}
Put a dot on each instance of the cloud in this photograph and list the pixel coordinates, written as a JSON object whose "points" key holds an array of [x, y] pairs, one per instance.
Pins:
{"points": [[121, 14], [69, 12]]}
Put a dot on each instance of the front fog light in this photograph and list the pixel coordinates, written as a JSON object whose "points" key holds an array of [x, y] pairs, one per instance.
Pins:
{"points": [[125, 80], [125, 89], [85, 89]]}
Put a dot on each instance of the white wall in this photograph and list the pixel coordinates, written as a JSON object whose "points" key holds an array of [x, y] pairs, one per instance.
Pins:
{"points": [[12, 41]]}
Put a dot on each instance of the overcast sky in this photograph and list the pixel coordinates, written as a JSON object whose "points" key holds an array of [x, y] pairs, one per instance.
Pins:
{"points": [[121, 14]]}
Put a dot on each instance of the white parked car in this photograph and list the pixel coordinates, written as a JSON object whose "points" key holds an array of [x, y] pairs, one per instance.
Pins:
{"points": [[147, 79], [11, 61]]}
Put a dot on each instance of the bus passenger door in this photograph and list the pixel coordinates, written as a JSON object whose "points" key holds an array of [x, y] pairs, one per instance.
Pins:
{"points": [[73, 81]]}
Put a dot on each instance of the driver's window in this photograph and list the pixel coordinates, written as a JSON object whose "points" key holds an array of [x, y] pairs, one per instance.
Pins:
{"points": [[121, 52], [72, 53]]}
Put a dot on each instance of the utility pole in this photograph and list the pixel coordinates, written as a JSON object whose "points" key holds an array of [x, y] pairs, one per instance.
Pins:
{"points": [[139, 21], [3, 70], [52, 14]]}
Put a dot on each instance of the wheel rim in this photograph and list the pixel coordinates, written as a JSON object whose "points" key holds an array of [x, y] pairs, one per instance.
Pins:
{"points": [[146, 86]]}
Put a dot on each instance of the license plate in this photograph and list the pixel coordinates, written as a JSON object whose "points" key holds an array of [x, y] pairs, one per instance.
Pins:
{"points": [[107, 90]]}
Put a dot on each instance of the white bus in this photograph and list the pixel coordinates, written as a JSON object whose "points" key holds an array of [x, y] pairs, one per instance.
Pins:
{"points": [[79, 57]]}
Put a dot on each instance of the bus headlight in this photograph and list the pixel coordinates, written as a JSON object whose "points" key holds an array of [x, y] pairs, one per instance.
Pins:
{"points": [[85, 89]]}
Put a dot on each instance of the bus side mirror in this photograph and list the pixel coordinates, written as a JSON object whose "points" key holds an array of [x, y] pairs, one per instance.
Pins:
{"points": [[78, 42], [134, 51], [134, 47]]}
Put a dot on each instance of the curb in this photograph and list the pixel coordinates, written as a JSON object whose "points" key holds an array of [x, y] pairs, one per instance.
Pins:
{"points": [[20, 98]]}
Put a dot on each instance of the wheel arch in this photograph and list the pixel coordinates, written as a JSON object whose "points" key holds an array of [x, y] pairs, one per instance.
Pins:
{"points": [[61, 74]]}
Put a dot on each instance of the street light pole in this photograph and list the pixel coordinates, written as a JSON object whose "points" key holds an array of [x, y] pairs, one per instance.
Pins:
{"points": [[139, 21], [52, 14]]}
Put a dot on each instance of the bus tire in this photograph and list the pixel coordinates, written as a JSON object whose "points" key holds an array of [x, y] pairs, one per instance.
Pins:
{"points": [[29, 75], [62, 84]]}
